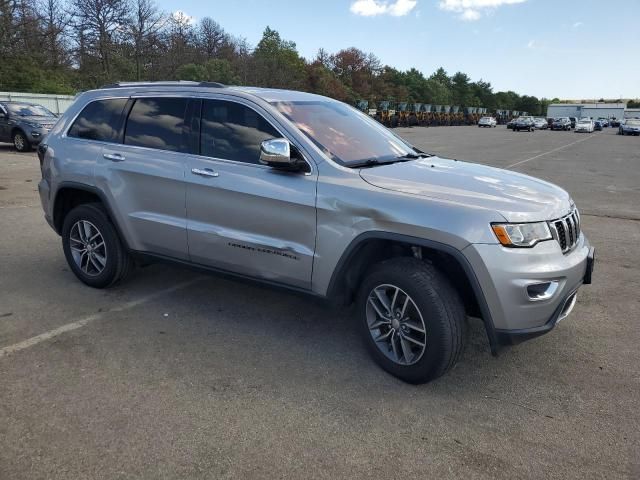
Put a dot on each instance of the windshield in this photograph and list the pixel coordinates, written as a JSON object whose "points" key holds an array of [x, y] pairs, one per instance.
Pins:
{"points": [[26, 110], [343, 133], [633, 123]]}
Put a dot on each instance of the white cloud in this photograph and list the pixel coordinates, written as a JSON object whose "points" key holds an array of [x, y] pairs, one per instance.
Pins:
{"points": [[470, 15], [183, 18], [370, 8], [471, 10], [531, 44], [577, 24]]}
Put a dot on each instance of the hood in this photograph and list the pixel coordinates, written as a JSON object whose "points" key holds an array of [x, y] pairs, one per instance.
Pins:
{"points": [[43, 120], [517, 197]]}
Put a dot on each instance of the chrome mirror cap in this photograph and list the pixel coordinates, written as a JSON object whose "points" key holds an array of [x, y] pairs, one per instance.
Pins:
{"points": [[276, 152]]}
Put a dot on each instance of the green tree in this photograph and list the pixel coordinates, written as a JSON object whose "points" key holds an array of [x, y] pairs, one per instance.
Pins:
{"points": [[277, 62]]}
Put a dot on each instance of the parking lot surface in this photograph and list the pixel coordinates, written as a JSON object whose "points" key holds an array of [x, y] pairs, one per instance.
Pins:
{"points": [[175, 374]]}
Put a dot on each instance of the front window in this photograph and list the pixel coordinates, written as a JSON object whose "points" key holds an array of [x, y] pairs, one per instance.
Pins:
{"points": [[633, 123], [344, 134], [233, 131], [27, 110]]}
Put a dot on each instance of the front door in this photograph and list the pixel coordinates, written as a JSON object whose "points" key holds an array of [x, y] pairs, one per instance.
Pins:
{"points": [[246, 217]]}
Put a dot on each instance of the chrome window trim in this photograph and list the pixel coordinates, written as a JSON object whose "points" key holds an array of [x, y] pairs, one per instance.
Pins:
{"points": [[192, 95]]}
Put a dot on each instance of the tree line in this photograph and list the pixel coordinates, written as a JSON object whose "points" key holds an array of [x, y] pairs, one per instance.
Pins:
{"points": [[65, 46]]}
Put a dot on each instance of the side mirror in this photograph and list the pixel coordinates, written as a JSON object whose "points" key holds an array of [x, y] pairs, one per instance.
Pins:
{"points": [[277, 153]]}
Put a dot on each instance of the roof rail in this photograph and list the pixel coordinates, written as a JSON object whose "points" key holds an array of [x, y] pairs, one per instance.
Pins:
{"points": [[179, 83]]}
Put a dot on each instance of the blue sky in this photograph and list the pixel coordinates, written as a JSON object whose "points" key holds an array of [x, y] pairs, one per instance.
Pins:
{"points": [[569, 49]]}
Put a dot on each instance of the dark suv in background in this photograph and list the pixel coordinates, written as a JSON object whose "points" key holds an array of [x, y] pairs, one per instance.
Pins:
{"points": [[24, 124], [562, 123]]}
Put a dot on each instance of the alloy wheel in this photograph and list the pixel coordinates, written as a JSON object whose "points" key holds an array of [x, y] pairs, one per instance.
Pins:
{"points": [[396, 324], [88, 248], [18, 141]]}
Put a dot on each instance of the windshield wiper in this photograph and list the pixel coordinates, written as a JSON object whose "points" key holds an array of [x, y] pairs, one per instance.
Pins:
{"points": [[373, 162], [414, 156]]}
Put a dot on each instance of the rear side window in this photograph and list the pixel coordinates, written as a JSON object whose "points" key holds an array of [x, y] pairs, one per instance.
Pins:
{"points": [[100, 120], [232, 131], [158, 123]]}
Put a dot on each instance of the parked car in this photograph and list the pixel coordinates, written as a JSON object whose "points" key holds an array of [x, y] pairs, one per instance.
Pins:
{"points": [[511, 123], [194, 173], [630, 126], [614, 122], [573, 120], [562, 123], [597, 125], [584, 125], [524, 123], [540, 123], [24, 124], [604, 122], [487, 122]]}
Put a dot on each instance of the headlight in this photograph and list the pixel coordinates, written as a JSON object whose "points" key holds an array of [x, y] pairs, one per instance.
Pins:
{"points": [[521, 234]]}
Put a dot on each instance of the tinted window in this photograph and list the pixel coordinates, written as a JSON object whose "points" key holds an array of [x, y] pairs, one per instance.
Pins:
{"points": [[100, 120], [158, 123], [233, 132]]}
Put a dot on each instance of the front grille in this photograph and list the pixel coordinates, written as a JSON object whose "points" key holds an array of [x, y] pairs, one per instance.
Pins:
{"points": [[566, 230]]}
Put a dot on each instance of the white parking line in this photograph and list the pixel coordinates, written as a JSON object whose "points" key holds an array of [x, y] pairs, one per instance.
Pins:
{"points": [[30, 342], [551, 151], [18, 206]]}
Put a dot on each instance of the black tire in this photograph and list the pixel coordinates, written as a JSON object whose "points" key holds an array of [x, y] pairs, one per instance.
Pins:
{"points": [[20, 141], [118, 262], [440, 307]]}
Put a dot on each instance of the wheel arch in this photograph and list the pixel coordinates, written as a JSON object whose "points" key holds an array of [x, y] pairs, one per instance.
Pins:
{"points": [[72, 194], [371, 247]]}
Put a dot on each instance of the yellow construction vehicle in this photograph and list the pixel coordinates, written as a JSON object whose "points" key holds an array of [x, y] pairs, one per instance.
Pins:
{"points": [[414, 114], [403, 114]]}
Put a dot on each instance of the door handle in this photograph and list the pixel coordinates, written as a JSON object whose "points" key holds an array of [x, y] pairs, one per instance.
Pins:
{"points": [[204, 172], [114, 157]]}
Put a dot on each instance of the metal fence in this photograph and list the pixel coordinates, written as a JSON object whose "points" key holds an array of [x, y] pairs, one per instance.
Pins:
{"points": [[55, 103]]}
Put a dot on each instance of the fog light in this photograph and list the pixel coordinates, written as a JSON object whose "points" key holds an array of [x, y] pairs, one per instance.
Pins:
{"points": [[542, 291]]}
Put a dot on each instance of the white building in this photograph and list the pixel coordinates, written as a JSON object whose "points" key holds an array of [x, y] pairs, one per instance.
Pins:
{"points": [[632, 113], [593, 110]]}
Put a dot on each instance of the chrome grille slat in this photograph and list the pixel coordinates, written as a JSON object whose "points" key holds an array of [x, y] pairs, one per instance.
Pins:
{"points": [[566, 230]]}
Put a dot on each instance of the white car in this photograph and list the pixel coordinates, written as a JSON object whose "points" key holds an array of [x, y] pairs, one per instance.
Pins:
{"points": [[585, 125], [487, 122]]}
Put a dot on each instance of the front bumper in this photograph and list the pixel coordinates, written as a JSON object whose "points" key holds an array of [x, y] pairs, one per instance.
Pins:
{"points": [[35, 135], [509, 275]]}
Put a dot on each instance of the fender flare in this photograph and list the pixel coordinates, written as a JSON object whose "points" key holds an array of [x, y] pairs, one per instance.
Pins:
{"points": [[458, 255]]}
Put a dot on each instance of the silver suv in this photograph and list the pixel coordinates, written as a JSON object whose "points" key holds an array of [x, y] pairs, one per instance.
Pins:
{"points": [[305, 192]]}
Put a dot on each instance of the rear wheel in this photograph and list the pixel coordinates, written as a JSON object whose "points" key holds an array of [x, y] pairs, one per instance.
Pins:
{"points": [[92, 247], [412, 319]]}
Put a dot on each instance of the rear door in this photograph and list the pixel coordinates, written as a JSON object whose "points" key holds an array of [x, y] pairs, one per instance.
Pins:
{"points": [[246, 217], [144, 175]]}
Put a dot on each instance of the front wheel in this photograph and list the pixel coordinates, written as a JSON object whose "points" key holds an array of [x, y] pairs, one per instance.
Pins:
{"points": [[20, 142], [412, 319], [92, 247]]}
